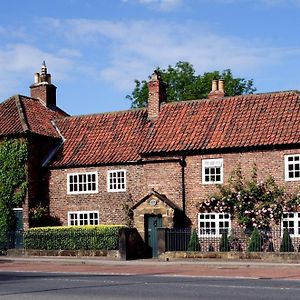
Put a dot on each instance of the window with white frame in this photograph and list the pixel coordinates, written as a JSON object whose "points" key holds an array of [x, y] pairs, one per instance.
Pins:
{"points": [[212, 171], [76, 218], [291, 221], [83, 183], [116, 181], [292, 167], [213, 224]]}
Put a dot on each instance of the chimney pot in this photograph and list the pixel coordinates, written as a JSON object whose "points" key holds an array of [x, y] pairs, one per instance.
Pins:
{"points": [[42, 88], [214, 85], [221, 85], [217, 89]]}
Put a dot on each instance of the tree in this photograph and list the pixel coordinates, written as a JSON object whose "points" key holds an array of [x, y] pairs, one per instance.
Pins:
{"points": [[194, 244], [183, 84], [224, 243], [255, 244], [286, 243]]}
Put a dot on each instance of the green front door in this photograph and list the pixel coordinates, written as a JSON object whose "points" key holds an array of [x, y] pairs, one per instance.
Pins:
{"points": [[153, 222], [17, 237]]}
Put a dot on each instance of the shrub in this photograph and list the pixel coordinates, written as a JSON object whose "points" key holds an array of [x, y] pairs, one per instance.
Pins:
{"points": [[194, 244], [100, 237], [255, 244], [286, 242], [224, 243]]}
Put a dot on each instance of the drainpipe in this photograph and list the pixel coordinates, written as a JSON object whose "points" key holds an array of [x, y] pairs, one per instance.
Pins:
{"points": [[183, 165]]}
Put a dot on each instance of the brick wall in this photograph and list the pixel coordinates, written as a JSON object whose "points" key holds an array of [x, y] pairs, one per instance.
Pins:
{"points": [[268, 163], [165, 178]]}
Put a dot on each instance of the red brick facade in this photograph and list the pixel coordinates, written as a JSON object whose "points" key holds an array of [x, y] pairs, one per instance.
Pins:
{"points": [[165, 178]]}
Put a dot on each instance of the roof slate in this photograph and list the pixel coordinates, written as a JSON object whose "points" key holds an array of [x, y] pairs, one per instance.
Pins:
{"points": [[208, 124], [20, 114]]}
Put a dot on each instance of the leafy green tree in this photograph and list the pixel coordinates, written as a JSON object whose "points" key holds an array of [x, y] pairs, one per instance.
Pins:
{"points": [[194, 244], [286, 242], [183, 84], [255, 244], [224, 243], [13, 183]]}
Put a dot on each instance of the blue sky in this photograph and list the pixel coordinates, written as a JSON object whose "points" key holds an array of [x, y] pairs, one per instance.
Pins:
{"points": [[94, 49]]}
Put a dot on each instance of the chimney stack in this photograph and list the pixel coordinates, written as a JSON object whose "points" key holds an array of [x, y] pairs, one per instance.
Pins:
{"points": [[42, 88], [157, 94], [217, 89]]}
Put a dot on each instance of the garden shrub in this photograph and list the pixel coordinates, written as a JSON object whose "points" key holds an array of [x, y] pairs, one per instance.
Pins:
{"points": [[286, 242], [99, 237], [224, 243], [194, 244], [255, 244]]}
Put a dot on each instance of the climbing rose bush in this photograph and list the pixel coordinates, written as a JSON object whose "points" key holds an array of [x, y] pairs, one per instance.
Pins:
{"points": [[255, 204]]}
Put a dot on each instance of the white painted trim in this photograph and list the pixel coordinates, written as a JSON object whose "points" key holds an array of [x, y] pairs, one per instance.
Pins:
{"points": [[109, 172], [217, 220], [82, 212], [81, 192], [286, 171], [219, 162], [295, 219]]}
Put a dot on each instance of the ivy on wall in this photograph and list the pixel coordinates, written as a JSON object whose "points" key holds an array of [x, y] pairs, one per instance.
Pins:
{"points": [[13, 180], [254, 203]]}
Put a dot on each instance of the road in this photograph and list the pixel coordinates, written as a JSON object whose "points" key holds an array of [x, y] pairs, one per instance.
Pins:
{"points": [[44, 286]]}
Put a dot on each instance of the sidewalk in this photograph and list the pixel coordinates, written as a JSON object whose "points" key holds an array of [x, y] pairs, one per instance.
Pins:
{"points": [[203, 268]]}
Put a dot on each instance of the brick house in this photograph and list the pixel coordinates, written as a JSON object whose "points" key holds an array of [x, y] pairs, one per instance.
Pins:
{"points": [[161, 161]]}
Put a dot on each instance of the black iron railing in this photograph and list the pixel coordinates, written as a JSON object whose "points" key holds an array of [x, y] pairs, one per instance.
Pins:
{"points": [[237, 240]]}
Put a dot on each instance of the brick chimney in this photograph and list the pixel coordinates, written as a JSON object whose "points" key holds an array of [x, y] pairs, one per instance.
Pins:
{"points": [[157, 94], [42, 88], [217, 89]]}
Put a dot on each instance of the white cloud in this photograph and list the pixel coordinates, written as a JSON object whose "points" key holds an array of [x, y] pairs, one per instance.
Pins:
{"points": [[164, 5], [19, 60], [135, 48]]}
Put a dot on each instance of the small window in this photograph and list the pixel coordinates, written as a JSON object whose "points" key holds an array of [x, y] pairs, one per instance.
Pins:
{"points": [[213, 224], [292, 167], [212, 171], [78, 218], [116, 181], [291, 221], [82, 183]]}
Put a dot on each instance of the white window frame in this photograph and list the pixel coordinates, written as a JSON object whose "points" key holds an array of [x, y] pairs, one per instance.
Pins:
{"points": [[88, 191], [210, 164], [89, 220], [288, 163], [291, 220], [218, 219], [110, 173]]}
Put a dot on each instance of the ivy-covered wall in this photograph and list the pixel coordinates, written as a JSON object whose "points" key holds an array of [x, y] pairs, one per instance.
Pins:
{"points": [[13, 180]]}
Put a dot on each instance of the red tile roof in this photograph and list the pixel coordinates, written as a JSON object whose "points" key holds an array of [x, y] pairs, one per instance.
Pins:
{"points": [[20, 114], [102, 138], [230, 122]]}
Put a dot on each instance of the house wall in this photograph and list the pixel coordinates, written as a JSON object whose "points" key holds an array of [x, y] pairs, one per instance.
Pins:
{"points": [[165, 178], [268, 162]]}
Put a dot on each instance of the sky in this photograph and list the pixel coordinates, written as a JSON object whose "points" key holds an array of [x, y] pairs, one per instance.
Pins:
{"points": [[95, 49]]}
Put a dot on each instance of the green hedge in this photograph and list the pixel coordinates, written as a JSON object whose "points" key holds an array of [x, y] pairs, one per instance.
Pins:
{"points": [[100, 237]]}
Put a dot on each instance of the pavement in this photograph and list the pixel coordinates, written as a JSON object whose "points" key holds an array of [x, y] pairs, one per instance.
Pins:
{"points": [[197, 267]]}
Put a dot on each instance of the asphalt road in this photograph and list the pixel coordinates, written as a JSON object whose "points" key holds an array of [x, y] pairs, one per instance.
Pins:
{"points": [[38, 285]]}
